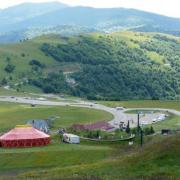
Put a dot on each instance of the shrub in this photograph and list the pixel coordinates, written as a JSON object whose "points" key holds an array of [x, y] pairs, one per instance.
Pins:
{"points": [[9, 68]]}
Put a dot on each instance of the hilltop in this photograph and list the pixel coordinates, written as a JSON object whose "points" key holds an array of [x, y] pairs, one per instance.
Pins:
{"points": [[115, 66]]}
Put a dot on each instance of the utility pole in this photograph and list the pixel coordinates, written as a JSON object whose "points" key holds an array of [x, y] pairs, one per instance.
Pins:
{"points": [[142, 142]]}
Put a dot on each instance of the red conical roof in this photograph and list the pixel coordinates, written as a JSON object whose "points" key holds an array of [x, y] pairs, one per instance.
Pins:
{"points": [[24, 132]]}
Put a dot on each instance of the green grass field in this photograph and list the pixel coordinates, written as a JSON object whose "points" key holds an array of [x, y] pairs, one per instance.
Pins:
{"points": [[15, 114], [123, 162], [144, 104], [88, 159], [56, 154], [172, 122]]}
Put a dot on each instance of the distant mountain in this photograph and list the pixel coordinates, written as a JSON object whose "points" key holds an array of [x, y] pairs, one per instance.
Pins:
{"points": [[106, 19], [64, 30], [44, 15], [23, 12]]}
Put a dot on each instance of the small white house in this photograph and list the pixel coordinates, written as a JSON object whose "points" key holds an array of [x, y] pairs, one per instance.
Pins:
{"points": [[71, 138]]}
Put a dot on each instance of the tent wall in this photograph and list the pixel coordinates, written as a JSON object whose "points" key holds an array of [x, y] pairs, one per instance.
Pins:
{"points": [[25, 142]]}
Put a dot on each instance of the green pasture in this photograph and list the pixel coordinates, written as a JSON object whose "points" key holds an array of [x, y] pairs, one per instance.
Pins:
{"points": [[144, 104], [88, 159], [12, 114], [157, 159]]}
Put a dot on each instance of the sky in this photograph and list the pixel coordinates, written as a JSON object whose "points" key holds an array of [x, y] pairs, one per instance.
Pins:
{"points": [[164, 7]]}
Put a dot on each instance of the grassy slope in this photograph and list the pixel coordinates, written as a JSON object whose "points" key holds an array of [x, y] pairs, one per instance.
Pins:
{"points": [[14, 51], [31, 50], [141, 37], [54, 155], [161, 162]]}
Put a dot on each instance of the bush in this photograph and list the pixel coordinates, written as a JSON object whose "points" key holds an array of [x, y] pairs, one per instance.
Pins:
{"points": [[9, 68], [148, 130], [35, 62]]}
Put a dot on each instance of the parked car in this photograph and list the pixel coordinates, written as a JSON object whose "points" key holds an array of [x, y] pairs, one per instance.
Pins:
{"points": [[119, 108]]}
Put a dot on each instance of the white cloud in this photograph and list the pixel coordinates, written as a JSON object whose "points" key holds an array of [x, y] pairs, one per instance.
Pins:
{"points": [[166, 7]]}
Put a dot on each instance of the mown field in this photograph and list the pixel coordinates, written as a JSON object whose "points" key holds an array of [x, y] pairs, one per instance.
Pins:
{"points": [[17, 114], [56, 154]]}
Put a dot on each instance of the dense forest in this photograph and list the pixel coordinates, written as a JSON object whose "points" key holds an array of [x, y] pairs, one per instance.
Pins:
{"points": [[113, 68]]}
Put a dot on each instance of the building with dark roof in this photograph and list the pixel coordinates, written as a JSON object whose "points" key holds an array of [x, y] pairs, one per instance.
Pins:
{"points": [[102, 125]]}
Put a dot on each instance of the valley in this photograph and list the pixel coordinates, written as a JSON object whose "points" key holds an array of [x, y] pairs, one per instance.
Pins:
{"points": [[89, 92], [56, 159]]}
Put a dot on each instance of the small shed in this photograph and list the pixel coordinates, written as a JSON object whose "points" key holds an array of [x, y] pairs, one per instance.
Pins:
{"points": [[71, 138], [39, 124]]}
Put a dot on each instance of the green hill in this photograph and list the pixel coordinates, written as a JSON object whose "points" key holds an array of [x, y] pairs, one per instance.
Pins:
{"points": [[113, 66], [158, 159]]}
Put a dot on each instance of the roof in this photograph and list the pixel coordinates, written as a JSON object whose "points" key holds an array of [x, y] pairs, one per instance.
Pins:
{"points": [[78, 126], [98, 125], [23, 132], [39, 124]]}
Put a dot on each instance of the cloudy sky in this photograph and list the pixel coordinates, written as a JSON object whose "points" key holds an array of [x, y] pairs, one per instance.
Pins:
{"points": [[165, 7]]}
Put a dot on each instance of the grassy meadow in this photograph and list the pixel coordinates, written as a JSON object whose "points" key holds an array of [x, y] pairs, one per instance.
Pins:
{"points": [[16, 114], [144, 104], [56, 154], [119, 162], [172, 122], [88, 159]]}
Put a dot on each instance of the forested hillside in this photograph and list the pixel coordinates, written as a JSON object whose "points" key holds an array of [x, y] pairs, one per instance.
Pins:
{"points": [[116, 66]]}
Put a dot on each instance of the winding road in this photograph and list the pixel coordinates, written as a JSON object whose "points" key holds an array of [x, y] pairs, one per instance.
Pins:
{"points": [[118, 115]]}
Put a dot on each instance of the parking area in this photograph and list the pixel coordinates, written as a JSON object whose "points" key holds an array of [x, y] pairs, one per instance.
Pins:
{"points": [[147, 117]]}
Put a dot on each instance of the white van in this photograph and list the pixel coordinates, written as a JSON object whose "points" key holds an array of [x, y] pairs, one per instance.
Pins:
{"points": [[71, 138], [119, 108]]}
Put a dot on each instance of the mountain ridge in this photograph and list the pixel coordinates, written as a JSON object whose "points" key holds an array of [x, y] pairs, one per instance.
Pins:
{"points": [[102, 19]]}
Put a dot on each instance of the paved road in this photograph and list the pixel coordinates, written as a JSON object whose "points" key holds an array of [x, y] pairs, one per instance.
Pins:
{"points": [[118, 115]]}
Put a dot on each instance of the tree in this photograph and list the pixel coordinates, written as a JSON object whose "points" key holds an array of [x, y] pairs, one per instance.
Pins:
{"points": [[152, 130], [8, 59], [35, 62], [9, 68], [4, 81], [128, 128]]}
